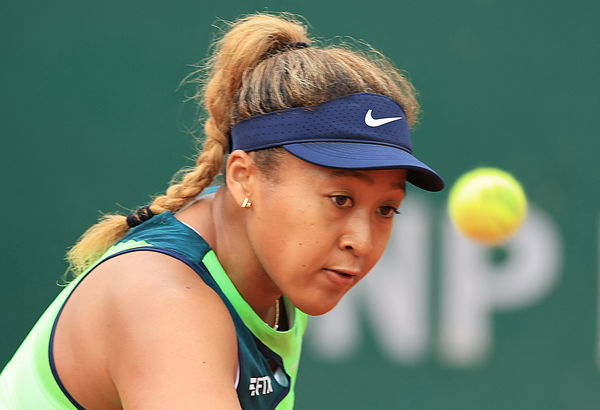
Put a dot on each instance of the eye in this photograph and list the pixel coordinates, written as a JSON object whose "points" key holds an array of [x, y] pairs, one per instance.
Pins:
{"points": [[342, 201], [388, 211]]}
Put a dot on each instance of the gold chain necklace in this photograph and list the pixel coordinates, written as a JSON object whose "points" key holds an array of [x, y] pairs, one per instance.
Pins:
{"points": [[276, 321]]}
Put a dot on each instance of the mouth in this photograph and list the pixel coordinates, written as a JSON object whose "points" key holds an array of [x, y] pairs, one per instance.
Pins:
{"points": [[348, 275], [341, 277]]}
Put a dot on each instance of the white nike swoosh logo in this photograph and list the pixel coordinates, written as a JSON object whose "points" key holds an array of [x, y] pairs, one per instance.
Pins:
{"points": [[377, 122]]}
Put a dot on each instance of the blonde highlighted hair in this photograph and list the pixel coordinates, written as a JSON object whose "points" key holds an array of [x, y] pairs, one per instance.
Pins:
{"points": [[251, 72]]}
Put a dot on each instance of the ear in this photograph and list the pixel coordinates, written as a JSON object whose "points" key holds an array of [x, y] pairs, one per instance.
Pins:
{"points": [[240, 174]]}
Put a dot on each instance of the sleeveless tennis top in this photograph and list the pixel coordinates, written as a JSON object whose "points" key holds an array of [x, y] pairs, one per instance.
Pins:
{"points": [[30, 381]]}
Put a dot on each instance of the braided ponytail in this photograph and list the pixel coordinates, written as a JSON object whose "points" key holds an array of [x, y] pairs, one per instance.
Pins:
{"points": [[235, 54]]}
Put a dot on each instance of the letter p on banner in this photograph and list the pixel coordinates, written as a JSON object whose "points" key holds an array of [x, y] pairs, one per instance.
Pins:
{"points": [[473, 287]]}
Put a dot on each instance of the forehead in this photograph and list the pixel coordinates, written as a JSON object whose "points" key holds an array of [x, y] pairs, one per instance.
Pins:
{"points": [[396, 177], [296, 169]]}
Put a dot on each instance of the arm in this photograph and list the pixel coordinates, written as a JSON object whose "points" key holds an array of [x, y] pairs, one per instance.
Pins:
{"points": [[173, 343]]}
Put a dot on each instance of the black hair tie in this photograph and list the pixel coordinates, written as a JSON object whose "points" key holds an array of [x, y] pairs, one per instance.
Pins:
{"points": [[293, 46], [141, 215]]}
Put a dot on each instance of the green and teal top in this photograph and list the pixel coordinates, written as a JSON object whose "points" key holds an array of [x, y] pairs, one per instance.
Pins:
{"points": [[30, 381]]}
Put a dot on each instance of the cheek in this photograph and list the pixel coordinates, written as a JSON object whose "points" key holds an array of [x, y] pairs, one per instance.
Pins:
{"points": [[289, 235], [380, 242]]}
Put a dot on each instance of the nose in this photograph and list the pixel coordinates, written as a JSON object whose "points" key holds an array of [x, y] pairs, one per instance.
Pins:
{"points": [[358, 236]]}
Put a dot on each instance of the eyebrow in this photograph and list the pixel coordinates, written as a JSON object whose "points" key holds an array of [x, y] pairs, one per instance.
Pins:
{"points": [[363, 177]]}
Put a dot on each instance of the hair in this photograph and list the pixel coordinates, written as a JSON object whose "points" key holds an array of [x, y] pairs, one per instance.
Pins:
{"points": [[253, 70]]}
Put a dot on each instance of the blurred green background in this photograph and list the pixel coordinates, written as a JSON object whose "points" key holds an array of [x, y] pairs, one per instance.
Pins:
{"points": [[93, 120]]}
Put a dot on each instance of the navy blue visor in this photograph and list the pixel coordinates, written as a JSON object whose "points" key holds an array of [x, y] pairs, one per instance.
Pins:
{"points": [[357, 131]]}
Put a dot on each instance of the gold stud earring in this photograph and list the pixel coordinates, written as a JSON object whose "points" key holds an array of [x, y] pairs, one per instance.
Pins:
{"points": [[246, 203]]}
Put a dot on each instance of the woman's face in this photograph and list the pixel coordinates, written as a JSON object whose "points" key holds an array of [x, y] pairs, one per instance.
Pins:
{"points": [[318, 231]]}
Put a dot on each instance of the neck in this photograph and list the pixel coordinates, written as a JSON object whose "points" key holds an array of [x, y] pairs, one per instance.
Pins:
{"points": [[221, 222]]}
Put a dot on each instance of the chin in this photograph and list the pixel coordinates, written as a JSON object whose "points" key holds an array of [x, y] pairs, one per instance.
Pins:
{"points": [[316, 308]]}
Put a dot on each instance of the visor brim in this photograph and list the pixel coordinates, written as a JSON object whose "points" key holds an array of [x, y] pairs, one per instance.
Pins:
{"points": [[356, 155]]}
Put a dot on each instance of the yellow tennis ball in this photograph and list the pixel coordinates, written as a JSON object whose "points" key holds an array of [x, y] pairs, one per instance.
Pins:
{"points": [[488, 205]]}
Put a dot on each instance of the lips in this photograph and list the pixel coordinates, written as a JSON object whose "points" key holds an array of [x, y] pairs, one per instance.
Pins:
{"points": [[341, 276], [343, 273]]}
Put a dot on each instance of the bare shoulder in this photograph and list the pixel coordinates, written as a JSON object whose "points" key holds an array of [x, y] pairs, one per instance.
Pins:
{"points": [[171, 340], [142, 283], [152, 276]]}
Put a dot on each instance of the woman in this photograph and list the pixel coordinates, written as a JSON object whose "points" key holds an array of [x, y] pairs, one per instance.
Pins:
{"points": [[200, 301]]}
